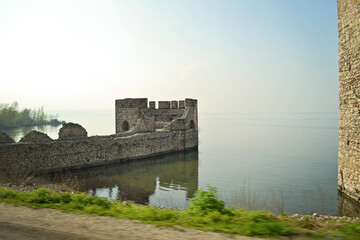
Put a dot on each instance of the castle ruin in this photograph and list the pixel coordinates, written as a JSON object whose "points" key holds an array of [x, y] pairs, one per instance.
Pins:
{"points": [[134, 115], [141, 131]]}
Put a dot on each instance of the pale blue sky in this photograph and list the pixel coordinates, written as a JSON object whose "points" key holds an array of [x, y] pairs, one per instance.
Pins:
{"points": [[233, 56]]}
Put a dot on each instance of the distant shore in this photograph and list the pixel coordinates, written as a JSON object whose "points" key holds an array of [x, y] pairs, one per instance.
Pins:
{"points": [[12, 117], [52, 122]]}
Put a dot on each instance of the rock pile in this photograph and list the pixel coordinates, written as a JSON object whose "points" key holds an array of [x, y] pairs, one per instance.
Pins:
{"points": [[4, 138], [72, 131], [315, 217], [35, 136]]}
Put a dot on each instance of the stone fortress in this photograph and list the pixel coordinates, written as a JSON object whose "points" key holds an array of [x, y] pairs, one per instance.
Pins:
{"points": [[349, 96], [141, 131]]}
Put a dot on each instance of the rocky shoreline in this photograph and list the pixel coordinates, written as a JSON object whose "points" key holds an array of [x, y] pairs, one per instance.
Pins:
{"points": [[315, 217], [22, 188]]}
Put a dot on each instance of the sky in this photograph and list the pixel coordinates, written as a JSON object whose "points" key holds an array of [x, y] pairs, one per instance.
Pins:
{"points": [[233, 56]]}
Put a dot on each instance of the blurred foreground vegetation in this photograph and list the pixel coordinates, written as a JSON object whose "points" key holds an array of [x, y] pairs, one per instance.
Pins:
{"points": [[11, 116], [206, 212]]}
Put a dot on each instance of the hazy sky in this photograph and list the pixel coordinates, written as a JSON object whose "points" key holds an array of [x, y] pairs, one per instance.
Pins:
{"points": [[233, 56]]}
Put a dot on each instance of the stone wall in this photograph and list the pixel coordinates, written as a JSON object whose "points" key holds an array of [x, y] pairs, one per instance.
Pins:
{"points": [[349, 93], [91, 151]]}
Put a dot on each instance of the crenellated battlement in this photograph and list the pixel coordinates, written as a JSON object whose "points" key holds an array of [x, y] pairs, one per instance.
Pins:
{"points": [[143, 103], [138, 115]]}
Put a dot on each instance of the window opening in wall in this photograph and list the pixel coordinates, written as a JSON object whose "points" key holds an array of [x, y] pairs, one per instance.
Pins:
{"points": [[348, 142], [192, 124], [125, 126]]}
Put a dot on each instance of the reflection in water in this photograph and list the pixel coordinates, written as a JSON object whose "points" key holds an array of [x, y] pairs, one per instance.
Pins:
{"points": [[347, 206], [170, 180]]}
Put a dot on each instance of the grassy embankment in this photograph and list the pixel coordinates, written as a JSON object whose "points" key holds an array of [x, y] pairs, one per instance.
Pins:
{"points": [[206, 212]]}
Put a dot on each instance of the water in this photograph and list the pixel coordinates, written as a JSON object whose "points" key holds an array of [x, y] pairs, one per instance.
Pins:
{"points": [[170, 180], [288, 158], [282, 162]]}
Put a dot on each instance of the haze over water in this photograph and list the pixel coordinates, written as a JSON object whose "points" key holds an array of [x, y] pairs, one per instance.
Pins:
{"points": [[281, 162]]}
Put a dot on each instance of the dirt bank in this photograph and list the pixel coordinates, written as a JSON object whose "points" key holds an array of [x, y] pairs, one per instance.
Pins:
{"points": [[23, 223]]}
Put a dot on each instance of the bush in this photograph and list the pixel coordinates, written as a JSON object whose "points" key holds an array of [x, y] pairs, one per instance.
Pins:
{"points": [[8, 193], [44, 195], [205, 202], [11, 116]]}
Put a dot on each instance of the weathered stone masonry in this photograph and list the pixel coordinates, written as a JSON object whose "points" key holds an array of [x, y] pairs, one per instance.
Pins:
{"points": [[349, 93], [141, 132]]}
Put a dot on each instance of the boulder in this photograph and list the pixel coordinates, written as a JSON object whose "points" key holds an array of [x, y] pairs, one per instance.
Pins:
{"points": [[72, 131], [4, 138], [35, 136]]}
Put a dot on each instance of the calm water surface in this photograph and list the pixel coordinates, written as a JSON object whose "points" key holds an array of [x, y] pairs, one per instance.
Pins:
{"points": [[281, 162]]}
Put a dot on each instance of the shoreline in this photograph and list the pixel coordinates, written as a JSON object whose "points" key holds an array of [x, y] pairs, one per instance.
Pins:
{"points": [[214, 217], [315, 217]]}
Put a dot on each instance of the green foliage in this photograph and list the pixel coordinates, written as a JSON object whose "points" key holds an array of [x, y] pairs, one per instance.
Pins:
{"points": [[11, 116], [43, 195], [206, 213], [264, 223], [207, 209], [306, 223], [283, 214], [350, 231], [205, 202], [8, 194]]}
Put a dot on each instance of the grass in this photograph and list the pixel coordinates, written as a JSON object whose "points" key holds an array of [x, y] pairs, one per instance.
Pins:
{"points": [[206, 212]]}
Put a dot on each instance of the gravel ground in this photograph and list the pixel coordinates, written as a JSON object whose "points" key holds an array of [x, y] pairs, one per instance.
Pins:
{"points": [[24, 223]]}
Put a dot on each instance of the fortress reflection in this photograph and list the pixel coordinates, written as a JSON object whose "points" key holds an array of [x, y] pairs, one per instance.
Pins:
{"points": [[138, 180]]}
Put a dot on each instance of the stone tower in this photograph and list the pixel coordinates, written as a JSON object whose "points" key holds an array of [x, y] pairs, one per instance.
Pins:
{"points": [[137, 115], [349, 93]]}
